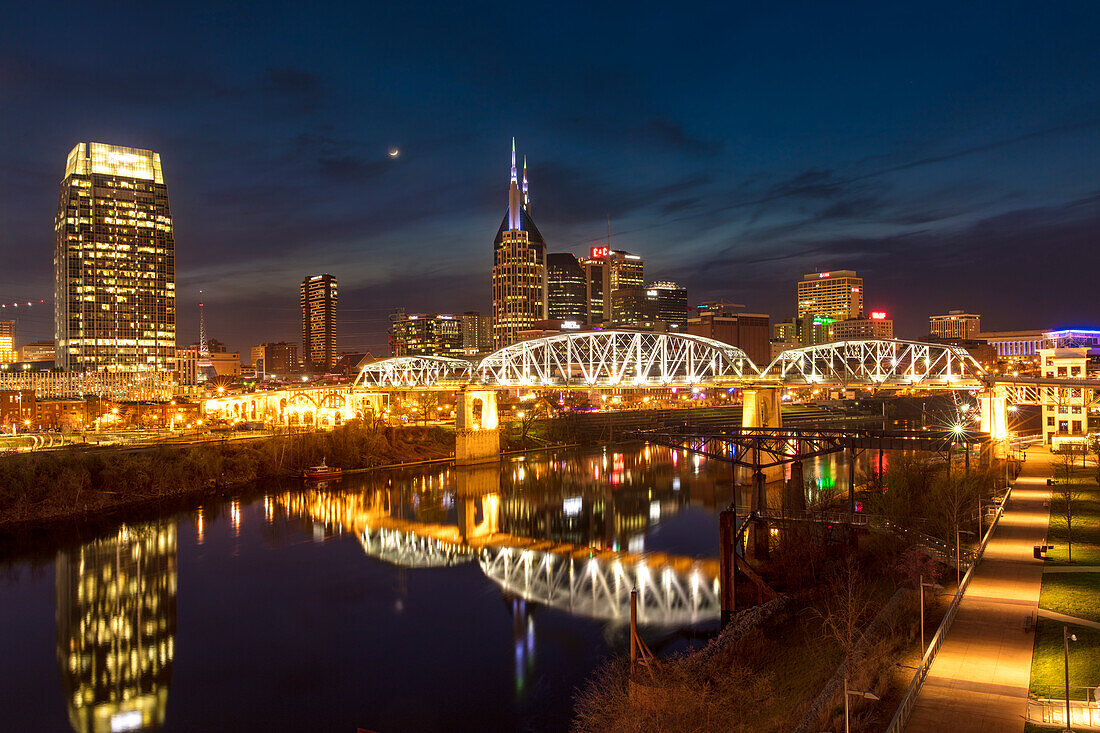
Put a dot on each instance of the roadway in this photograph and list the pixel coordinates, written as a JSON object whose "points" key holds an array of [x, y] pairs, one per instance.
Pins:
{"points": [[979, 680]]}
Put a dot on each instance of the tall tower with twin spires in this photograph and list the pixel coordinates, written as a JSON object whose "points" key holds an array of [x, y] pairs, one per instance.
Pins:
{"points": [[519, 266]]}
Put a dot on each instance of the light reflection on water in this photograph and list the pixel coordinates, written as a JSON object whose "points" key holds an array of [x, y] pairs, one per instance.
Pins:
{"points": [[378, 596]]}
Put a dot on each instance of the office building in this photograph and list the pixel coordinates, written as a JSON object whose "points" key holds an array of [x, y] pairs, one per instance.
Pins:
{"points": [[7, 342], [275, 359], [878, 326], [116, 628], [519, 266], [631, 307], [955, 325], [750, 332], [669, 304], [565, 285], [318, 300], [823, 299], [1015, 346], [477, 333], [114, 263], [37, 351], [605, 271], [187, 367], [426, 334]]}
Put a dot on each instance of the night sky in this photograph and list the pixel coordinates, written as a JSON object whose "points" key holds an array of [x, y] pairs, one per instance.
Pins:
{"points": [[948, 152]]}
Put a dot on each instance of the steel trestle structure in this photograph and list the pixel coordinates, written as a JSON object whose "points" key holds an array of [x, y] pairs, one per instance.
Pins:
{"points": [[644, 359], [874, 362], [615, 358], [415, 372]]}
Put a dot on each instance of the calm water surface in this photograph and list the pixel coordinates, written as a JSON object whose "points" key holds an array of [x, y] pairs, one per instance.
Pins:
{"points": [[372, 603]]}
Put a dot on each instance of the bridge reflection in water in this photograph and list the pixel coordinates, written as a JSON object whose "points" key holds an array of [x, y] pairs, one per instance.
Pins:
{"points": [[567, 535]]}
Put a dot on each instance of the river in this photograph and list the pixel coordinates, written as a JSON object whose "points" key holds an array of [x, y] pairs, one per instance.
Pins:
{"points": [[383, 601]]}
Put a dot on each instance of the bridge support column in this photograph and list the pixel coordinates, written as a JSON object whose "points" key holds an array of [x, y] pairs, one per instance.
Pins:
{"points": [[794, 493], [477, 426], [760, 408], [993, 404], [758, 531]]}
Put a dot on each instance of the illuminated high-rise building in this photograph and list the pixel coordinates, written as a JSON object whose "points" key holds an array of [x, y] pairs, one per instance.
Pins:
{"points": [[116, 628], [823, 299], [955, 325], [114, 263], [318, 299], [565, 285], [426, 334], [7, 341], [519, 267]]}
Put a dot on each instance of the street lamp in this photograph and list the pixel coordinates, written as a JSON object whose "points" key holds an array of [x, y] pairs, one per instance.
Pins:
{"points": [[855, 693], [923, 585], [1066, 639]]}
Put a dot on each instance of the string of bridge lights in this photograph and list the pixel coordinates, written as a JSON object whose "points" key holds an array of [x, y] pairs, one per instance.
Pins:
{"points": [[21, 304]]}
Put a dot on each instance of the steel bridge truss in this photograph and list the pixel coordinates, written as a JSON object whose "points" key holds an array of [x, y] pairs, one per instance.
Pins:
{"points": [[615, 358], [875, 362], [1053, 392], [415, 372], [599, 587], [412, 550]]}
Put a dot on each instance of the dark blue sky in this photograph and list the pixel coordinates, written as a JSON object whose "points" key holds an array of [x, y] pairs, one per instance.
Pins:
{"points": [[948, 152]]}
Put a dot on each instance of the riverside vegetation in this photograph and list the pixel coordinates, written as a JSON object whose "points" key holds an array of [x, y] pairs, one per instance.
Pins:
{"points": [[38, 488]]}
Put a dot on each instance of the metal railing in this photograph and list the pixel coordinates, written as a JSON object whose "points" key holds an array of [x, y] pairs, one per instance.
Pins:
{"points": [[910, 698], [1050, 708]]}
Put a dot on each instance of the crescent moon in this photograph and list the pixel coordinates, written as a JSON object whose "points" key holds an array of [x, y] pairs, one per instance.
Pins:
{"points": [[394, 152]]}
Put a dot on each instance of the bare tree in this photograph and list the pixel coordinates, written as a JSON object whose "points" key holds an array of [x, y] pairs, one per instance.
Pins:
{"points": [[1068, 489]]}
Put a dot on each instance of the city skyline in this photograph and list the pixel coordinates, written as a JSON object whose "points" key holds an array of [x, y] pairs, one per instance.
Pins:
{"points": [[733, 172]]}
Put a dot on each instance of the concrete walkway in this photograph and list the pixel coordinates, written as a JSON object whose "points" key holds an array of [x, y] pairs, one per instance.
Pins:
{"points": [[979, 680], [1065, 619]]}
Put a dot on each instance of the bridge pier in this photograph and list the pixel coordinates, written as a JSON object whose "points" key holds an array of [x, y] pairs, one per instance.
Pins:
{"points": [[794, 491], [760, 408], [993, 404], [477, 426], [759, 530]]}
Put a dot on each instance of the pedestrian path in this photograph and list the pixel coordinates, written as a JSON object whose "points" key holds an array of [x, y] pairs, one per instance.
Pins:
{"points": [[1066, 619], [979, 680]]}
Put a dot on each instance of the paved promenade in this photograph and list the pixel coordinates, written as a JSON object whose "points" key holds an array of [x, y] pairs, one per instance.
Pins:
{"points": [[979, 680]]}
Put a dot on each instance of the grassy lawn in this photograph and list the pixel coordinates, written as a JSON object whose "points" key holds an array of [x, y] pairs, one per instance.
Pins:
{"points": [[1047, 662], [1076, 594], [1086, 521]]}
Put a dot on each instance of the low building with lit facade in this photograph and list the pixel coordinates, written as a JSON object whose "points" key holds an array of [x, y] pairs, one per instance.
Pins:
{"points": [[750, 332], [114, 263], [426, 334], [668, 304], [318, 295], [37, 351], [18, 410], [955, 324], [116, 628], [159, 386], [878, 326], [1068, 417], [7, 342], [519, 266], [1015, 346]]}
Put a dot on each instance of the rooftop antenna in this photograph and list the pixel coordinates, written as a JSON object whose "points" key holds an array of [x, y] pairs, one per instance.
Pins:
{"points": [[608, 232]]}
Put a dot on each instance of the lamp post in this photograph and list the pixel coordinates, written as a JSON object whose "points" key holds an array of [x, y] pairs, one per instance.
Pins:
{"points": [[1066, 639], [857, 693], [923, 585], [958, 556]]}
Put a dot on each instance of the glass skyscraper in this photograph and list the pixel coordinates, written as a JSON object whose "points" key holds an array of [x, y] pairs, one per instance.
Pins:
{"points": [[114, 263]]}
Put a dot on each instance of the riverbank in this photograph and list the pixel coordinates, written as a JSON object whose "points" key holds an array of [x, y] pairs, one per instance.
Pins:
{"points": [[39, 489]]}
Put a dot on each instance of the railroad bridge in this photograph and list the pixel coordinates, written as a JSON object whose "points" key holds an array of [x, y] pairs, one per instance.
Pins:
{"points": [[618, 359]]}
